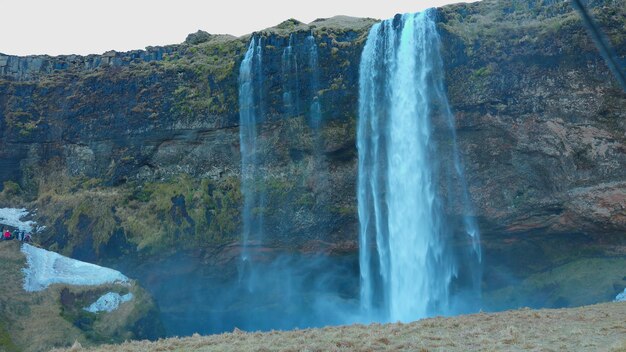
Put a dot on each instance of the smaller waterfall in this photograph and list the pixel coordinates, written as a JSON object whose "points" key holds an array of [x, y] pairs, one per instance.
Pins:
{"points": [[319, 166], [290, 82], [314, 74]]}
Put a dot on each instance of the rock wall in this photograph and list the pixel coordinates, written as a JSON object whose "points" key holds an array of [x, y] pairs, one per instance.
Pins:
{"points": [[541, 119], [138, 153], [35, 67]]}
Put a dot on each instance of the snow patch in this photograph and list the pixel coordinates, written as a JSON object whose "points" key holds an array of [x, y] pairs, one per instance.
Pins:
{"points": [[108, 302], [46, 268], [621, 297], [13, 217]]}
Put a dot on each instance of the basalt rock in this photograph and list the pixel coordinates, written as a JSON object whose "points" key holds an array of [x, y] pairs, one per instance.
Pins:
{"points": [[142, 148]]}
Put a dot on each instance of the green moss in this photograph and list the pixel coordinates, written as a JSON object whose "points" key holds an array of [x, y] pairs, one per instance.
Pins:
{"points": [[6, 344], [279, 186], [14, 116], [344, 210], [306, 200], [93, 215], [126, 322], [223, 204], [79, 317], [23, 121], [289, 25], [483, 72], [580, 282], [153, 221], [10, 189], [210, 64], [492, 30]]}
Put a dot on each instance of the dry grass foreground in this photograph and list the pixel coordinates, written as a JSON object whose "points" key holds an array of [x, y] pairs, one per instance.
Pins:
{"points": [[599, 327]]}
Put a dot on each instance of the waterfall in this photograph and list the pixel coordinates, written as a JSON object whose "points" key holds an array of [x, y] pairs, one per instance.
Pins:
{"points": [[314, 81], [250, 115], [407, 253], [290, 84]]}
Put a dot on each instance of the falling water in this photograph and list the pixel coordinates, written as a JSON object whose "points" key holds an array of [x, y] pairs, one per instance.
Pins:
{"points": [[290, 79], [279, 290], [315, 108], [250, 114], [406, 252]]}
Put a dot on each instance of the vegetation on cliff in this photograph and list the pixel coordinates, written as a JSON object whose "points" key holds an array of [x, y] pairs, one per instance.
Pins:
{"points": [[106, 188], [527, 85], [54, 317]]}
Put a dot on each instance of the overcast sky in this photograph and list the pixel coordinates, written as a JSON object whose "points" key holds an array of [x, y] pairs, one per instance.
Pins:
{"points": [[92, 27]]}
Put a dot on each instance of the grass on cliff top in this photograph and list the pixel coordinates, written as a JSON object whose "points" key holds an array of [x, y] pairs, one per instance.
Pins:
{"points": [[498, 27], [593, 328], [336, 24]]}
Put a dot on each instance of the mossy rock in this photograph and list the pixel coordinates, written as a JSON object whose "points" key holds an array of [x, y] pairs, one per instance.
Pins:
{"points": [[54, 317], [6, 343], [577, 283]]}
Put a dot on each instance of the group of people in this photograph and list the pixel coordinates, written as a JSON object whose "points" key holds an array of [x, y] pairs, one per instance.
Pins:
{"points": [[19, 234]]}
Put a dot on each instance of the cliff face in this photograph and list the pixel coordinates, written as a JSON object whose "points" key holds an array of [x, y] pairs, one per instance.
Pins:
{"points": [[540, 118], [139, 152], [145, 154]]}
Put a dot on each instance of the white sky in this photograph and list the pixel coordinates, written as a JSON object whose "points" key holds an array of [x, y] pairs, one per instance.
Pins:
{"points": [[57, 27]]}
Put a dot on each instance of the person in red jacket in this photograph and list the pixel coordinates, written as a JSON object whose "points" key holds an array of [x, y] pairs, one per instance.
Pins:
{"points": [[6, 235]]}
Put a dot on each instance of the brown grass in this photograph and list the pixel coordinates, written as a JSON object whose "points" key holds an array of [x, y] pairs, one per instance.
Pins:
{"points": [[33, 321], [599, 327]]}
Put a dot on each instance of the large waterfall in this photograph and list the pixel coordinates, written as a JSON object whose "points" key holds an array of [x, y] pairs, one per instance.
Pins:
{"points": [[409, 256], [250, 114]]}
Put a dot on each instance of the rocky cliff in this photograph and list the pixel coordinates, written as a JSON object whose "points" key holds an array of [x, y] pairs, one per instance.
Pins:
{"points": [[540, 117], [137, 153]]}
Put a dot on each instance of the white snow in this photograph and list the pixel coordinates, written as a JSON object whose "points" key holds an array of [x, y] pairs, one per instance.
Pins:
{"points": [[108, 302], [621, 297], [46, 268], [12, 217]]}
